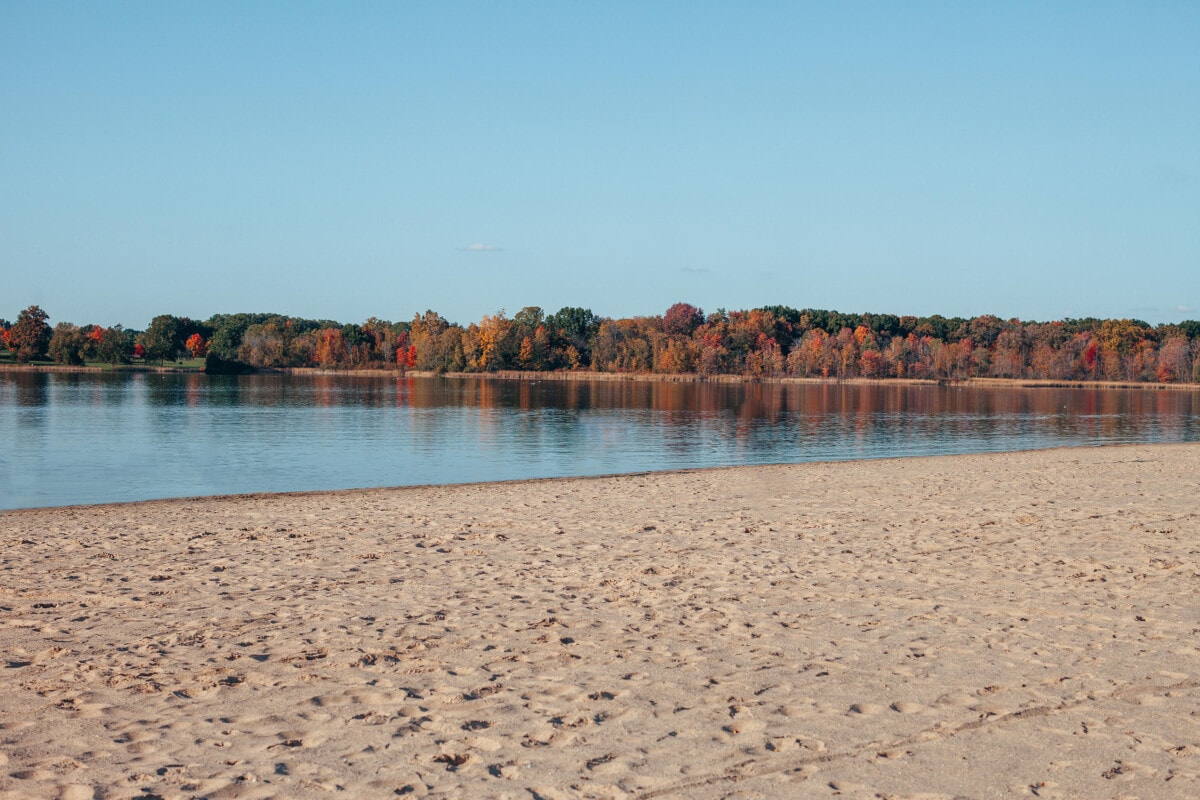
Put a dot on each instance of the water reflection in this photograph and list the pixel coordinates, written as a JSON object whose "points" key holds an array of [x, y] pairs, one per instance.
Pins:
{"points": [[31, 389], [102, 437]]}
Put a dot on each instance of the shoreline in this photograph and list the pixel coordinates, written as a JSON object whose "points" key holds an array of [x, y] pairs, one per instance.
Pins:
{"points": [[1012, 623], [335, 494], [520, 375]]}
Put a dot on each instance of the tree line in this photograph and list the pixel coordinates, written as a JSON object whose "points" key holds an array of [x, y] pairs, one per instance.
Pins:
{"points": [[772, 341]]}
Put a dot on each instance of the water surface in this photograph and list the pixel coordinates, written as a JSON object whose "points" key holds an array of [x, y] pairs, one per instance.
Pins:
{"points": [[95, 438]]}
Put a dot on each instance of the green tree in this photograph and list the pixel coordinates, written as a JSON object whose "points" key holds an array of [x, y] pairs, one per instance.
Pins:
{"points": [[29, 337], [115, 346], [165, 337], [68, 344], [227, 332], [573, 327], [883, 324], [527, 321]]}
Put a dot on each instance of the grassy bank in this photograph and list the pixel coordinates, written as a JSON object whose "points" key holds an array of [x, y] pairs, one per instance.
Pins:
{"points": [[188, 365]]}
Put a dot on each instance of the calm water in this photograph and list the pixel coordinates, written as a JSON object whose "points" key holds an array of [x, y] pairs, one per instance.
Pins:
{"points": [[91, 438]]}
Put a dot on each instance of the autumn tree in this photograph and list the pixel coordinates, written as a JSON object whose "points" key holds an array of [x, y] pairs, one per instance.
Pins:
{"points": [[712, 343], [923, 352], [896, 357], [1143, 361], [675, 356], [983, 330], [763, 342], [29, 337], [682, 319], [623, 345], [196, 346], [385, 340], [1174, 360], [1120, 347], [787, 322], [745, 331], [359, 345], [494, 343], [765, 360], [438, 343], [266, 344], [1009, 352], [529, 336], [847, 354], [870, 360], [534, 350], [331, 348], [808, 356]]}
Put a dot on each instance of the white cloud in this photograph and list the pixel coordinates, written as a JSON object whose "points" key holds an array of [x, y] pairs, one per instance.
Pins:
{"points": [[482, 248], [695, 270], [1184, 309]]}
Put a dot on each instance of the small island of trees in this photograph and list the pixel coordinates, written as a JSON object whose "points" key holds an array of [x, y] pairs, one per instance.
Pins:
{"points": [[762, 343]]}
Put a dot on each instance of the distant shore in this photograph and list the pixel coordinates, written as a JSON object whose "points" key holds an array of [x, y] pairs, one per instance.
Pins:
{"points": [[518, 375], [68, 369], [951, 626]]}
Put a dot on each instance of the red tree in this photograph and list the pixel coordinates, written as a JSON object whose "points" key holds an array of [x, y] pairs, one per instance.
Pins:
{"points": [[196, 346], [682, 319]]}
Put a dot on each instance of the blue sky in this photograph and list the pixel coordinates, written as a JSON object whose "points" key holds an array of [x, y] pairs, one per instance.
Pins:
{"points": [[1033, 160]]}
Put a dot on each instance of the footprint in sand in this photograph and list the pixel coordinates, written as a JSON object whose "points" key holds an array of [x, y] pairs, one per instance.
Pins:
{"points": [[75, 791], [956, 699], [906, 707]]}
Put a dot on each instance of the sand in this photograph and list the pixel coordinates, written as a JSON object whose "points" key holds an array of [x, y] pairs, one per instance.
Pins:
{"points": [[1023, 624]]}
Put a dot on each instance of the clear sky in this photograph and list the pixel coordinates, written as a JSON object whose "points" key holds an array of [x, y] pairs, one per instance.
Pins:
{"points": [[345, 160]]}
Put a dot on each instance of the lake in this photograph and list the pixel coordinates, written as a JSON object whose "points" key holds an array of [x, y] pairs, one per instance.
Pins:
{"points": [[73, 438]]}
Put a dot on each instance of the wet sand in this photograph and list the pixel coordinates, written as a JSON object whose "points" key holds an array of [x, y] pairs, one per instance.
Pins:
{"points": [[1023, 624]]}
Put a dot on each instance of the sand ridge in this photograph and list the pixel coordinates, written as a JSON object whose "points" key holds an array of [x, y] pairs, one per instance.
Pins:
{"points": [[1023, 624]]}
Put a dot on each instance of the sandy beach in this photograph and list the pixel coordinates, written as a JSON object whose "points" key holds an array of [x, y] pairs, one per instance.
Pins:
{"points": [[1022, 624]]}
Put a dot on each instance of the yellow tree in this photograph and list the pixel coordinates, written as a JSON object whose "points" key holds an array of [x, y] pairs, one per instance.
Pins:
{"points": [[493, 340], [438, 344], [525, 355]]}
